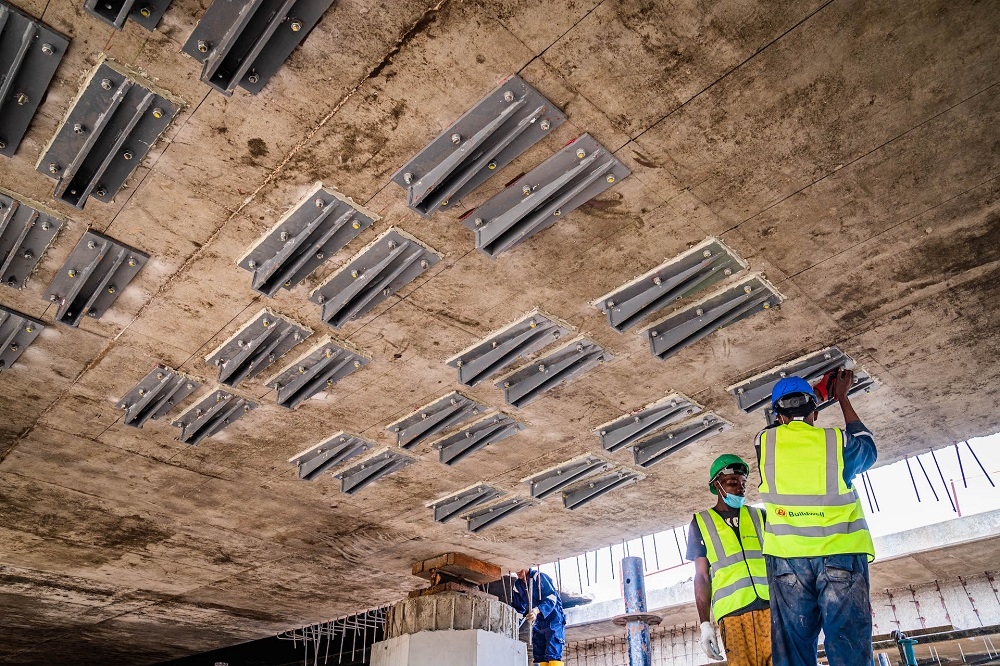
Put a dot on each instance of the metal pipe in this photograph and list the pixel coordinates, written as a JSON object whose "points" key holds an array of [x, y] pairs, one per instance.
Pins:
{"points": [[637, 631]]}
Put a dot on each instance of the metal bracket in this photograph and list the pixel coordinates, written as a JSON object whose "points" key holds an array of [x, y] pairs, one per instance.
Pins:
{"points": [[484, 140], [485, 516], [320, 368], [579, 494], [318, 227], [95, 273], [705, 264], [256, 346], [211, 415], [155, 395], [378, 465], [30, 52], [329, 453], [17, 331], [106, 134], [533, 202], [556, 478], [26, 231], [524, 385], [448, 507], [628, 429], [390, 262], [478, 435], [755, 393], [654, 449], [245, 43], [685, 327], [146, 13], [433, 418], [526, 335]]}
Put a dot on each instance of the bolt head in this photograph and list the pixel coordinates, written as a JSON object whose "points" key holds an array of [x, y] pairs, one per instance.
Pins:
{"points": [[145, 12], [747, 289], [252, 264], [319, 203], [253, 78], [557, 212], [78, 128], [296, 25], [424, 264], [101, 191], [22, 99], [545, 124], [653, 334], [71, 273], [355, 224], [728, 271], [54, 168], [407, 178], [491, 166], [581, 153], [610, 178], [28, 254], [91, 244], [508, 96], [526, 190], [706, 254], [203, 46], [541, 367], [128, 155], [283, 236], [657, 280], [48, 49], [157, 113], [112, 289], [456, 138], [106, 83], [354, 273]]}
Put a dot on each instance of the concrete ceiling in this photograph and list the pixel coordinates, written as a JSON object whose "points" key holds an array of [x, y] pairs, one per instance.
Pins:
{"points": [[848, 150]]}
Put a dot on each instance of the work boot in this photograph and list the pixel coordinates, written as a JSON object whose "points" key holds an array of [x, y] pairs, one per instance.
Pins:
{"points": [[555, 663]]}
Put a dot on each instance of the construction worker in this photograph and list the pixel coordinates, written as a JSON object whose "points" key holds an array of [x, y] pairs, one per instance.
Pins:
{"points": [[816, 542], [545, 613], [729, 573]]}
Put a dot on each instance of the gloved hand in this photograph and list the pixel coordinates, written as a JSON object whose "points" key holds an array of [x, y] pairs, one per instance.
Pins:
{"points": [[709, 642]]}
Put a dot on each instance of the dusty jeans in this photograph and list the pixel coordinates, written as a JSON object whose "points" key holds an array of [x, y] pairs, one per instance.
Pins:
{"points": [[812, 593]]}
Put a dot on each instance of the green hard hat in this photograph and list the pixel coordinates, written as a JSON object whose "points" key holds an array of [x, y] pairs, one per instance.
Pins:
{"points": [[721, 463]]}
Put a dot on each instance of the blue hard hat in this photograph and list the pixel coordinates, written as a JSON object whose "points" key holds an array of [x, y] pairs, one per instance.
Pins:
{"points": [[788, 386]]}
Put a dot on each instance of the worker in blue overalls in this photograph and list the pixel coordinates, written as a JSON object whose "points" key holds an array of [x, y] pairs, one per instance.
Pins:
{"points": [[548, 633]]}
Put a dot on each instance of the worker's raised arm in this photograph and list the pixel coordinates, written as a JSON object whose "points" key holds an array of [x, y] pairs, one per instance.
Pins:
{"points": [[702, 589], [859, 445]]}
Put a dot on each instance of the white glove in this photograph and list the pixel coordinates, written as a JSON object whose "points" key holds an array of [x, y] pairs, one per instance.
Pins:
{"points": [[709, 643]]}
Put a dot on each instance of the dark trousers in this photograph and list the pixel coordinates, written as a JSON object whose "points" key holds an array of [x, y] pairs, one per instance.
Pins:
{"points": [[812, 593], [549, 637]]}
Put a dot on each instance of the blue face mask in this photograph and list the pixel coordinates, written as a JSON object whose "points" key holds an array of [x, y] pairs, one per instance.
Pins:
{"points": [[734, 501]]}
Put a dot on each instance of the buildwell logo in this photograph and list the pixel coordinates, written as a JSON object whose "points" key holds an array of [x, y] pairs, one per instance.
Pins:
{"points": [[781, 512], [796, 514]]}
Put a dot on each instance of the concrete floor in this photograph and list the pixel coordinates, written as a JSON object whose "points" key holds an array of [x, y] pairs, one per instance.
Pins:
{"points": [[848, 150]]}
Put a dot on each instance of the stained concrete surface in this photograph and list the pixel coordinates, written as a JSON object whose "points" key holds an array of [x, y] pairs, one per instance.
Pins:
{"points": [[846, 149]]}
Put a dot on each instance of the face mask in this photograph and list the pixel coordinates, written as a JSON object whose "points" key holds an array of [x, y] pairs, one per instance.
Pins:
{"points": [[734, 501]]}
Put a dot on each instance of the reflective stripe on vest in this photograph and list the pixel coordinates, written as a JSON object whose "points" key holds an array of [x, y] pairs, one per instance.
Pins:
{"points": [[739, 575], [811, 512]]}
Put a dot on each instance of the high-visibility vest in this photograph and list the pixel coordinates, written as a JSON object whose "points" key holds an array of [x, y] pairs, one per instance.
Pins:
{"points": [[810, 510], [739, 576]]}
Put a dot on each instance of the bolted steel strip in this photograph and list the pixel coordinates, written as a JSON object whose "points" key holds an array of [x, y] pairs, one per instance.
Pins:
{"points": [[378, 465], [754, 393], [654, 449], [628, 429], [527, 335], [115, 13], [155, 395], [434, 417], [308, 235], [93, 277], [336, 449], [487, 137], [685, 327], [245, 43], [26, 231], [17, 331], [535, 201], [556, 478], [485, 516], [255, 346], [579, 494], [317, 370], [524, 385], [707, 263], [210, 416], [482, 433], [390, 262], [110, 128], [30, 53], [451, 506]]}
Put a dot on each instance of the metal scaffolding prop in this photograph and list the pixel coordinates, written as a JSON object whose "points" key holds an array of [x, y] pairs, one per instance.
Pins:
{"points": [[636, 619]]}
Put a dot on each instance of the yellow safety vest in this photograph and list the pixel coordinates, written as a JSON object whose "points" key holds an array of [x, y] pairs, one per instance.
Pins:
{"points": [[810, 510], [739, 576]]}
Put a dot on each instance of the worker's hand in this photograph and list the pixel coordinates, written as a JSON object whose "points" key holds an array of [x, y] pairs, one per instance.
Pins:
{"points": [[843, 382], [532, 615], [709, 642]]}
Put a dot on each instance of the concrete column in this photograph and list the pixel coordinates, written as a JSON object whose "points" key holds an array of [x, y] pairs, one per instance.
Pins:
{"points": [[450, 629]]}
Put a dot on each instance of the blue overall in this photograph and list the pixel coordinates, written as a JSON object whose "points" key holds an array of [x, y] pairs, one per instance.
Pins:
{"points": [[549, 633]]}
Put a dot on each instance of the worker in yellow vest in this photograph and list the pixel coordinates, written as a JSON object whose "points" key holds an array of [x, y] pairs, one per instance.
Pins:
{"points": [[816, 541], [730, 577]]}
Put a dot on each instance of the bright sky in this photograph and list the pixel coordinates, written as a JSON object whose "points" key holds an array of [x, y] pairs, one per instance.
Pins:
{"points": [[897, 510]]}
